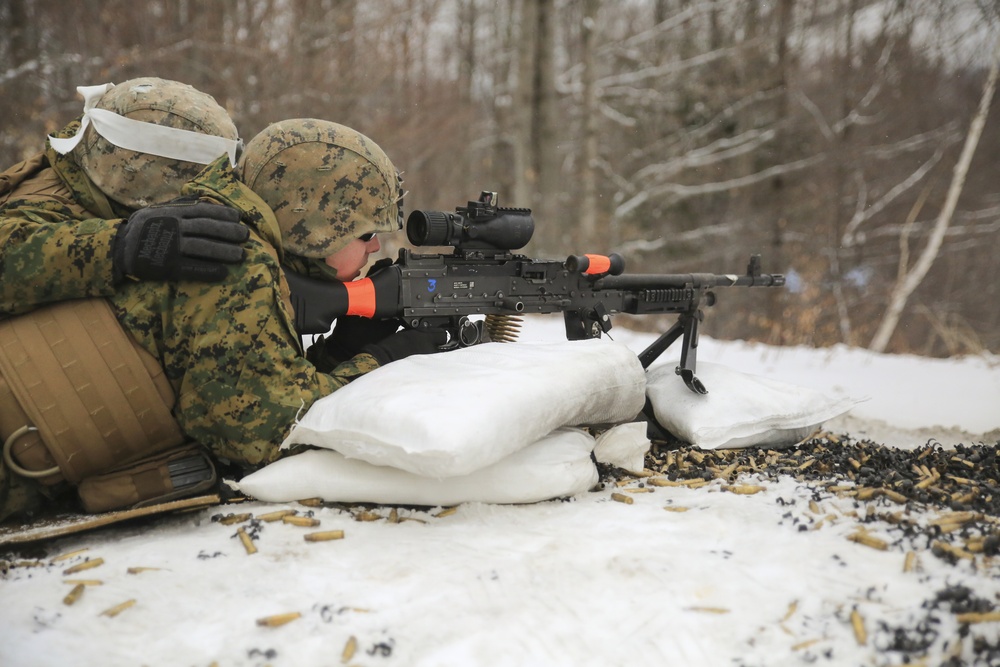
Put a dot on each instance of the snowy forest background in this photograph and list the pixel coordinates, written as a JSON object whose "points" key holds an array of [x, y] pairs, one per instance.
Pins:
{"points": [[831, 136]]}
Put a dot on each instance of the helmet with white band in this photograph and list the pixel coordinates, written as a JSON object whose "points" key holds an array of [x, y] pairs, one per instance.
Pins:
{"points": [[142, 140]]}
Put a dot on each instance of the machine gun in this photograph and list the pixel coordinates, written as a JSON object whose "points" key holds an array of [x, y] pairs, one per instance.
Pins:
{"points": [[482, 276]]}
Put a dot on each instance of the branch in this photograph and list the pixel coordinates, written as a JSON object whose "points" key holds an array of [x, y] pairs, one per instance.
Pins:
{"points": [[680, 192], [904, 288], [864, 213], [724, 229], [717, 151]]}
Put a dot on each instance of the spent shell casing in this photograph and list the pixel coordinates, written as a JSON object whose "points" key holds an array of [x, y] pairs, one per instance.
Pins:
{"points": [[867, 493], [858, 623], [621, 498], [708, 610], [976, 545], [662, 481], [791, 610], [958, 552], [85, 565], [247, 542], [277, 515], [304, 521], [744, 489], [868, 541], [311, 502], [955, 517], [235, 518], [910, 561], [349, 649], [74, 594], [117, 609], [894, 496], [324, 536], [68, 555], [978, 617], [278, 619]]}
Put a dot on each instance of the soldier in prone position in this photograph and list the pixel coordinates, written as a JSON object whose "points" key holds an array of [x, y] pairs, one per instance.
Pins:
{"points": [[312, 195]]}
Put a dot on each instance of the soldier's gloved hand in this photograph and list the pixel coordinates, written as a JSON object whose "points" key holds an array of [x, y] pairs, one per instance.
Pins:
{"points": [[185, 239], [352, 332], [406, 343]]}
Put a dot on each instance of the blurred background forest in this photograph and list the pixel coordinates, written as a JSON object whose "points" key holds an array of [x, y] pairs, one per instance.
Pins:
{"points": [[827, 135]]}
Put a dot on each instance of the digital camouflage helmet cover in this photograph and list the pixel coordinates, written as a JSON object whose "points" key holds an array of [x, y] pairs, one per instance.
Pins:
{"points": [[326, 184], [137, 178]]}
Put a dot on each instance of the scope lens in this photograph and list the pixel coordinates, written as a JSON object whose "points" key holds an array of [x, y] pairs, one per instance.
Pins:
{"points": [[428, 228]]}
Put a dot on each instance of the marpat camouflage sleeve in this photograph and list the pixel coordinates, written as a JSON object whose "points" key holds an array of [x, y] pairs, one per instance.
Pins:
{"points": [[56, 234], [232, 355], [230, 349]]}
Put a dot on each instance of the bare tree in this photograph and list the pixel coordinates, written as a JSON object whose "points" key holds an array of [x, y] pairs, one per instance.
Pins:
{"points": [[909, 282]]}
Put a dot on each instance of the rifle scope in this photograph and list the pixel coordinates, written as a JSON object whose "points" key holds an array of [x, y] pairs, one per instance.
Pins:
{"points": [[479, 226]]}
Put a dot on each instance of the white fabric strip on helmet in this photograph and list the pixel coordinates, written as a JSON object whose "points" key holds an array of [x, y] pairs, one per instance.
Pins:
{"points": [[142, 137]]}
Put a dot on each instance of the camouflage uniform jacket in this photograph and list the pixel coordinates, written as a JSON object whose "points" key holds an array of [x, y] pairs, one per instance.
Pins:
{"points": [[230, 349], [56, 231]]}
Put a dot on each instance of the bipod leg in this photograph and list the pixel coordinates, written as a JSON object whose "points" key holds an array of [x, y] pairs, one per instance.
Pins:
{"points": [[657, 347], [689, 352]]}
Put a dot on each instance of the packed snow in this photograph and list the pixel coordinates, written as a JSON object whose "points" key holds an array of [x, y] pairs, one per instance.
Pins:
{"points": [[677, 576]]}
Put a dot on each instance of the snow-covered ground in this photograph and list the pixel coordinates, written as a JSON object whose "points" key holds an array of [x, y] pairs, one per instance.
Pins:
{"points": [[678, 576]]}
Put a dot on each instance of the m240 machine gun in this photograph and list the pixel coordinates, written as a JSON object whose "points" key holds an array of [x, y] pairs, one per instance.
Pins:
{"points": [[483, 276]]}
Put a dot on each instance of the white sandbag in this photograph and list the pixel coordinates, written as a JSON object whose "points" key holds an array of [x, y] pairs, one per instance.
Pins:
{"points": [[556, 466], [450, 414], [740, 410], [623, 446]]}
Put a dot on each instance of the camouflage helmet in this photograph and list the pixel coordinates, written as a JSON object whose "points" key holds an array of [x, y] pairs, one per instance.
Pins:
{"points": [[326, 183], [138, 179]]}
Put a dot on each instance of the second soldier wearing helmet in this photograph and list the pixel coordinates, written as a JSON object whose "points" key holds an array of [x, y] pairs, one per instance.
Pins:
{"points": [[314, 193], [72, 222]]}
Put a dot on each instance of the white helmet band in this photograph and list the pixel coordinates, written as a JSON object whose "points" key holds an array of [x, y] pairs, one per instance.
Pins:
{"points": [[142, 137]]}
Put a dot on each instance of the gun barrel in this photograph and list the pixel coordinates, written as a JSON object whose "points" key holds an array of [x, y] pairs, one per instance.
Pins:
{"points": [[695, 280]]}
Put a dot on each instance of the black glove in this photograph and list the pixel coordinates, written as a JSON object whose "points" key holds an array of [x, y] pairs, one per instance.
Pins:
{"points": [[406, 343], [184, 239], [352, 332]]}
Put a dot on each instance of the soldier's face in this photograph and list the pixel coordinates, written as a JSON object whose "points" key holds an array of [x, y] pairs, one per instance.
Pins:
{"points": [[349, 260]]}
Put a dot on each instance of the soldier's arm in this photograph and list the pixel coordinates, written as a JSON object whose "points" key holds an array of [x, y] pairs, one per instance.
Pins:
{"points": [[48, 254], [243, 379]]}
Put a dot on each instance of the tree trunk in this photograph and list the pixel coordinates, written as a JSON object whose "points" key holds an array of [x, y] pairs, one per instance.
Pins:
{"points": [[907, 284], [588, 167], [544, 140]]}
